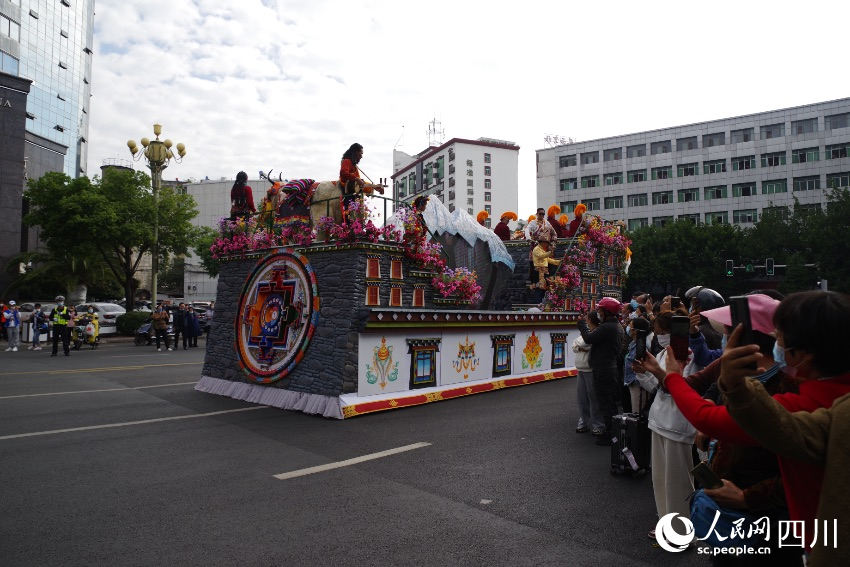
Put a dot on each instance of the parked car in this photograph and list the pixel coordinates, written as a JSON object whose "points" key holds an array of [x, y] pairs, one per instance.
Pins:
{"points": [[107, 313], [138, 305]]}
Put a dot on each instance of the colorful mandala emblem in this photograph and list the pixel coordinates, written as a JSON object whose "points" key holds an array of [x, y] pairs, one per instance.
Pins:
{"points": [[278, 313]]}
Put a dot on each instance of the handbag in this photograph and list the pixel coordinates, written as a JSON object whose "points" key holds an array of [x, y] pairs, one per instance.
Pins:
{"points": [[744, 526]]}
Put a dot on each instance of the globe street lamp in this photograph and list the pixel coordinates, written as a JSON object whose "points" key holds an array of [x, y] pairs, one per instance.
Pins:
{"points": [[158, 155]]}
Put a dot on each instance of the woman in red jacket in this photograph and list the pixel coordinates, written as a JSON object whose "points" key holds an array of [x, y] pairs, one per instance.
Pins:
{"points": [[810, 343]]}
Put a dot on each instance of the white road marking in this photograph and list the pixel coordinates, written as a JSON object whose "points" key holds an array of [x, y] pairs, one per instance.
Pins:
{"points": [[95, 391], [348, 462], [127, 423], [101, 369]]}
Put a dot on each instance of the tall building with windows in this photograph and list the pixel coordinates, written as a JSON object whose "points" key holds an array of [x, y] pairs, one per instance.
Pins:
{"points": [[724, 171], [472, 175], [50, 42], [45, 66]]}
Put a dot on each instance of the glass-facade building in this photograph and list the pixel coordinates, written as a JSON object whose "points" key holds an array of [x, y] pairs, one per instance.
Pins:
{"points": [[50, 42]]}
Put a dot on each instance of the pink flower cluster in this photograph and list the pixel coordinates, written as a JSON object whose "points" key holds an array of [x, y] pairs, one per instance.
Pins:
{"points": [[581, 306], [242, 236], [598, 235], [459, 282], [357, 227]]}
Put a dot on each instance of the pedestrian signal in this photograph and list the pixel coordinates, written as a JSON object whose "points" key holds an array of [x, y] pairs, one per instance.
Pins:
{"points": [[730, 268], [768, 265]]}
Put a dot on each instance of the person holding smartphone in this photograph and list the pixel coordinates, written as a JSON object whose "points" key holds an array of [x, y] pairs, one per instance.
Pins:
{"points": [[639, 330], [606, 340], [672, 434]]}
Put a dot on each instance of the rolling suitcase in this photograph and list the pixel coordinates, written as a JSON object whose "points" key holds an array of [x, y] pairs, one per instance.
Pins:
{"points": [[630, 451]]}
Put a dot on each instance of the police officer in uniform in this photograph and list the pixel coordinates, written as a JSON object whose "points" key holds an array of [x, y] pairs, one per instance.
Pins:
{"points": [[60, 317]]}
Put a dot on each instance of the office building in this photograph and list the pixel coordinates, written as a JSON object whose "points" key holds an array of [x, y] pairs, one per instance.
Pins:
{"points": [[472, 175], [723, 171], [45, 78]]}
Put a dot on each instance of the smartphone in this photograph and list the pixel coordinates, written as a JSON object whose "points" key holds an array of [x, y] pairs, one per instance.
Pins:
{"points": [[739, 310], [706, 477], [675, 302], [640, 345], [679, 336]]}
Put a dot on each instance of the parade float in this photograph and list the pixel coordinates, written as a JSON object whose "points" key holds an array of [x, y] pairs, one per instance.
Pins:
{"points": [[421, 309]]}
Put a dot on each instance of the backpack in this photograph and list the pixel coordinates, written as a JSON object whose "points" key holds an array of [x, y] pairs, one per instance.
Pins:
{"points": [[41, 321]]}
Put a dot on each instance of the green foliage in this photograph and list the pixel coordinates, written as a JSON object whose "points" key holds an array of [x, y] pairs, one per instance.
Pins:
{"points": [[171, 275], [203, 241], [127, 323], [681, 255], [111, 218]]}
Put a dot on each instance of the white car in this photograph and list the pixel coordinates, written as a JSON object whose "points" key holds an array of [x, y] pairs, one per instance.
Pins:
{"points": [[107, 313]]}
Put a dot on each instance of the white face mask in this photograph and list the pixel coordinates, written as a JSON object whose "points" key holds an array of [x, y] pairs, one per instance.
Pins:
{"points": [[664, 340]]}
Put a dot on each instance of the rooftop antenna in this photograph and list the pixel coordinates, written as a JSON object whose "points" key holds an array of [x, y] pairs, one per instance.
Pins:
{"points": [[400, 142], [436, 134]]}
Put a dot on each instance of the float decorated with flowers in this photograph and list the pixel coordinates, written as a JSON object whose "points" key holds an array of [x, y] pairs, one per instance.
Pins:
{"points": [[385, 313]]}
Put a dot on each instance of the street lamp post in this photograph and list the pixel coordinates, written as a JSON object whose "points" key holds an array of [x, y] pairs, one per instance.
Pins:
{"points": [[158, 155]]}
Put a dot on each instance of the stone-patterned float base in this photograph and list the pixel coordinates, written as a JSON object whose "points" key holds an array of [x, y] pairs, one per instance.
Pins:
{"points": [[352, 405]]}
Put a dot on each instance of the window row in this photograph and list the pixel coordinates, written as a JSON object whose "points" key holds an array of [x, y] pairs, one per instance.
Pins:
{"points": [[715, 139], [711, 193], [802, 155], [740, 216]]}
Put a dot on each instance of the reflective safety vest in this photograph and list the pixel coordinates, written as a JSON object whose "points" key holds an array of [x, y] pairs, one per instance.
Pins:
{"points": [[61, 317]]}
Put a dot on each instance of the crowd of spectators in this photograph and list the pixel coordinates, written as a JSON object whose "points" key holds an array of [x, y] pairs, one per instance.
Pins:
{"points": [[765, 417]]}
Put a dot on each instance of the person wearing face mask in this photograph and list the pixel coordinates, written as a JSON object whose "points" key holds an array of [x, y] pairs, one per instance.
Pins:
{"points": [[39, 325], [83, 320], [606, 341], [810, 337], [589, 417], [817, 437], [672, 434], [637, 394], [750, 474], [61, 316]]}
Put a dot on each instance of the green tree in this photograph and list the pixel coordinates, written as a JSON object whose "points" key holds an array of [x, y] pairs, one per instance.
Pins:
{"points": [[681, 255], [204, 238], [114, 216], [827, 237]]}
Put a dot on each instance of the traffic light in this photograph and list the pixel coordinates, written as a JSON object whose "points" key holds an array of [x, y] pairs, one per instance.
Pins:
{"points": [[768, 265], [730, 268]]}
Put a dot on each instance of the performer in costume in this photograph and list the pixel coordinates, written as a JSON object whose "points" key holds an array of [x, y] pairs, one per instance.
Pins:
{"points": [[552, 217], [537, 230], [576, 222], [502, 230], [542, 258], [481, 217], [241, 198]]}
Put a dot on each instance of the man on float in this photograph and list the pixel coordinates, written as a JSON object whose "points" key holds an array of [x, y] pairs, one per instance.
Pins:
{"points": [[575, 224], [502, 230]]}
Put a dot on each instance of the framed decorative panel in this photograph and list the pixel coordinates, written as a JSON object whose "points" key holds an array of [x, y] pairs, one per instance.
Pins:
{"points": [[502, 354], [559, 350], [423, 362]]}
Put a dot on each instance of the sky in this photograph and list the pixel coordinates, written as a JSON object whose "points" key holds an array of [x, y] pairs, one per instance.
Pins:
{"points": [[289, 85]]}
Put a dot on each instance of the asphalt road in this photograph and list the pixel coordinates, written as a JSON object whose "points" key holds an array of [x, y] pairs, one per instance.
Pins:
{"points": [[109, 457]]}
